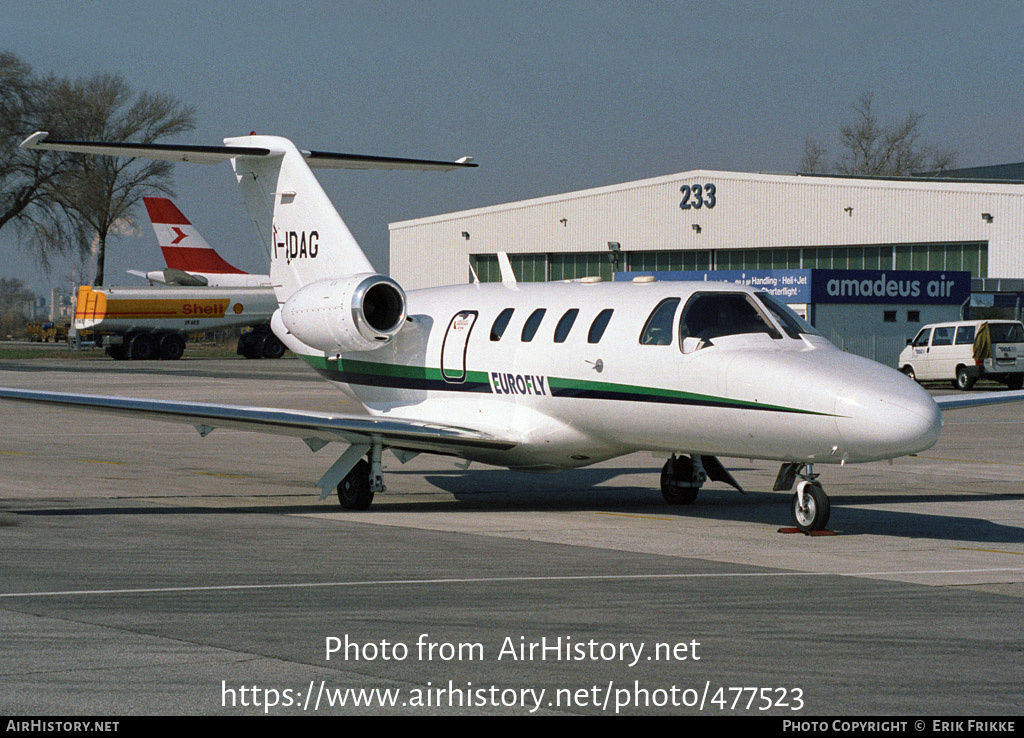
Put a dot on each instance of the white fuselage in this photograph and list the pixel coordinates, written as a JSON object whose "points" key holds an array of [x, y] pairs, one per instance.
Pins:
{"points": [[755, 394]]}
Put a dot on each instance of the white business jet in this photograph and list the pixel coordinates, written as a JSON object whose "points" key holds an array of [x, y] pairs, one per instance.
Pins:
{"points": [[536, 376]]}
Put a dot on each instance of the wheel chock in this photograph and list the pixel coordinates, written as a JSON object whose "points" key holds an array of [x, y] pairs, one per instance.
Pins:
{"points": [[825, 532]]}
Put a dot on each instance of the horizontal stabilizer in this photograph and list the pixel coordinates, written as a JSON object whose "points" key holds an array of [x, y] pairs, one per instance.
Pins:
{"points": [[216, 154]]}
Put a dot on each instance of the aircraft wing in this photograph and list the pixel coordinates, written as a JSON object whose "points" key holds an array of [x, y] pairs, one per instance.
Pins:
{"points": [[315, 428], [957, 402]]}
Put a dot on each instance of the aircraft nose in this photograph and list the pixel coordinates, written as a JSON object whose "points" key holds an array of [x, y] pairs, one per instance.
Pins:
{"points": [[888, 418]]}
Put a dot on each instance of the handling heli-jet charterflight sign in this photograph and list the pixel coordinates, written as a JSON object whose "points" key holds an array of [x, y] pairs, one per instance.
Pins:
{"points": [[542, 376]]}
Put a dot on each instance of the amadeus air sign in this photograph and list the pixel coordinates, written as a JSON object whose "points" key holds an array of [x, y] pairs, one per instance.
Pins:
{"points": [[850, 286], [890, 287]]}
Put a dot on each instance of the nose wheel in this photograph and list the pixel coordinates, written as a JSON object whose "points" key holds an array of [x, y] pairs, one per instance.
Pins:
{"points": [[810, 506]]}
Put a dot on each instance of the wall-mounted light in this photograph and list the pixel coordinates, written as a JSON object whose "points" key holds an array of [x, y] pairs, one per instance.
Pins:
{"points": [[614, 249], [465, 235], [696, 227], [987, 217]]}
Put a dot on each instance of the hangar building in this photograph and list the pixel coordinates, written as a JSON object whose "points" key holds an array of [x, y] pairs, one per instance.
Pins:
{"points": [[704, 220]]}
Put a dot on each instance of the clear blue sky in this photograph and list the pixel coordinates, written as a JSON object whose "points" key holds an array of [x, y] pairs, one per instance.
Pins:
{"points": [[547, 96]]}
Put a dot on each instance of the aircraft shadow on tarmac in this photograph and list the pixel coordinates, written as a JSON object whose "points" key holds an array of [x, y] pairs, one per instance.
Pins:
{"points": [[497, 490]]}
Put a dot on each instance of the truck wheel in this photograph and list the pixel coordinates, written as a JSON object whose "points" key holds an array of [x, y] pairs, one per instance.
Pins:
{"points": [[144, 347], [273, 348], [172, 346], [117, 353], [1015, 382]]}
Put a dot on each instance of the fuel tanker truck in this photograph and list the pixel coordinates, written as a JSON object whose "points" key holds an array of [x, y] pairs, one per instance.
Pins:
{"points": [[154, 322]]}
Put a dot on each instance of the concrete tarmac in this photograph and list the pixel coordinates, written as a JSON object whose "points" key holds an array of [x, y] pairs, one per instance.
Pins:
{"points": [[146, 570]]}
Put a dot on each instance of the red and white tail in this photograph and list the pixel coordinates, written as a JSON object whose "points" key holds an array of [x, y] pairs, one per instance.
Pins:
{"points": [[183, 246]]}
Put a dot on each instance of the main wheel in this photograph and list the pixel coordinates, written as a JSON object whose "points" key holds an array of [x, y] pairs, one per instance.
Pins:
{"points": [[144, 347], [674, 492], [354, 491], [815, 512], [964, 381], [172, 347]]}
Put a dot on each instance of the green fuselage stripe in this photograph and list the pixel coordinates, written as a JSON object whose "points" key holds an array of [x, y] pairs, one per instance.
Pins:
{"points": [[403, 376]]}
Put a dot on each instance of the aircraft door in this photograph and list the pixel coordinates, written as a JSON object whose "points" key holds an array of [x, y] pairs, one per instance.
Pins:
{"points": [[453, 349]]}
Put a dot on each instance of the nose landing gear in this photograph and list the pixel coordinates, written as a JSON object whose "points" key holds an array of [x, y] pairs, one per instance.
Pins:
{"points": [[810, 504]]}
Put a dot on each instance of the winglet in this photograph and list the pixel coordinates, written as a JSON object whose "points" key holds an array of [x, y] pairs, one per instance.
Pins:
{"points": [[33, 141]]}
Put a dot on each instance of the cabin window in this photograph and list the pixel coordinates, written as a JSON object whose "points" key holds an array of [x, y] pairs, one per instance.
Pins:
{"points": [[598, 326], [501, 323], [792, 323], [532, 324], [965, 335], [658, 328], [709, 315], [565, 324]]}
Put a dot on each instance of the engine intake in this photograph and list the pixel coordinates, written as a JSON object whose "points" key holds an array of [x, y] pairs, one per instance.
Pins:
{"points": [[358, 313]]}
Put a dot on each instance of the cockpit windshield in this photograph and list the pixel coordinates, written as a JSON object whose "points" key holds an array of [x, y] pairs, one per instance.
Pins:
{"points": [[792, 323], [710, 315]]}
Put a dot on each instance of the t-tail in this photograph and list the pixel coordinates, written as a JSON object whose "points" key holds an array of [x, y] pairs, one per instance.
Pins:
{"points": [[332, 300]]}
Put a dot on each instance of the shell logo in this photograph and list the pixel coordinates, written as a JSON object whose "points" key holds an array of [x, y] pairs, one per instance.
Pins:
{"points": [[238, 308]]}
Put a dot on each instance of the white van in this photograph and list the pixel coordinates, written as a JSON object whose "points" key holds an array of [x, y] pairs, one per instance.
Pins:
{"points": [[946, 351]]}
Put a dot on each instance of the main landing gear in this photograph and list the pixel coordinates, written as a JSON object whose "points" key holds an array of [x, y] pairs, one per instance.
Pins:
{"points": [[362, 481], [683, 476], [810, 504]]}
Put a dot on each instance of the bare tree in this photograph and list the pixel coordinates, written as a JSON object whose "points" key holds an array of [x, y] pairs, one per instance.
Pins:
{"points": [[100, 193], [873, 149], [29, 178], [14, 295], [15, 299]]}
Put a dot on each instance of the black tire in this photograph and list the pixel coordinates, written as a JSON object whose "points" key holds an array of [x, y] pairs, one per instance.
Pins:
{"points": [[909, 371], [117, 353], [964, 381], [675, 493], [144, 347], [273, 348], [1015, 382], [172, 347], [816, 514], [354, 491]]}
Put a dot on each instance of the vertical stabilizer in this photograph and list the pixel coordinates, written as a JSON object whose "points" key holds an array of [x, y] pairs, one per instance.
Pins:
{"points": [[183, 246], [295, 222]]}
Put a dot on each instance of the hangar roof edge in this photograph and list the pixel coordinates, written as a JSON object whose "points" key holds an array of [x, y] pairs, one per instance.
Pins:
{"points": [[947, 184]]}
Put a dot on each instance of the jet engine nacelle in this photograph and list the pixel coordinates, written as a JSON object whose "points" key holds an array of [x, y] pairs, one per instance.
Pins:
{"points": [[358, 313]]}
